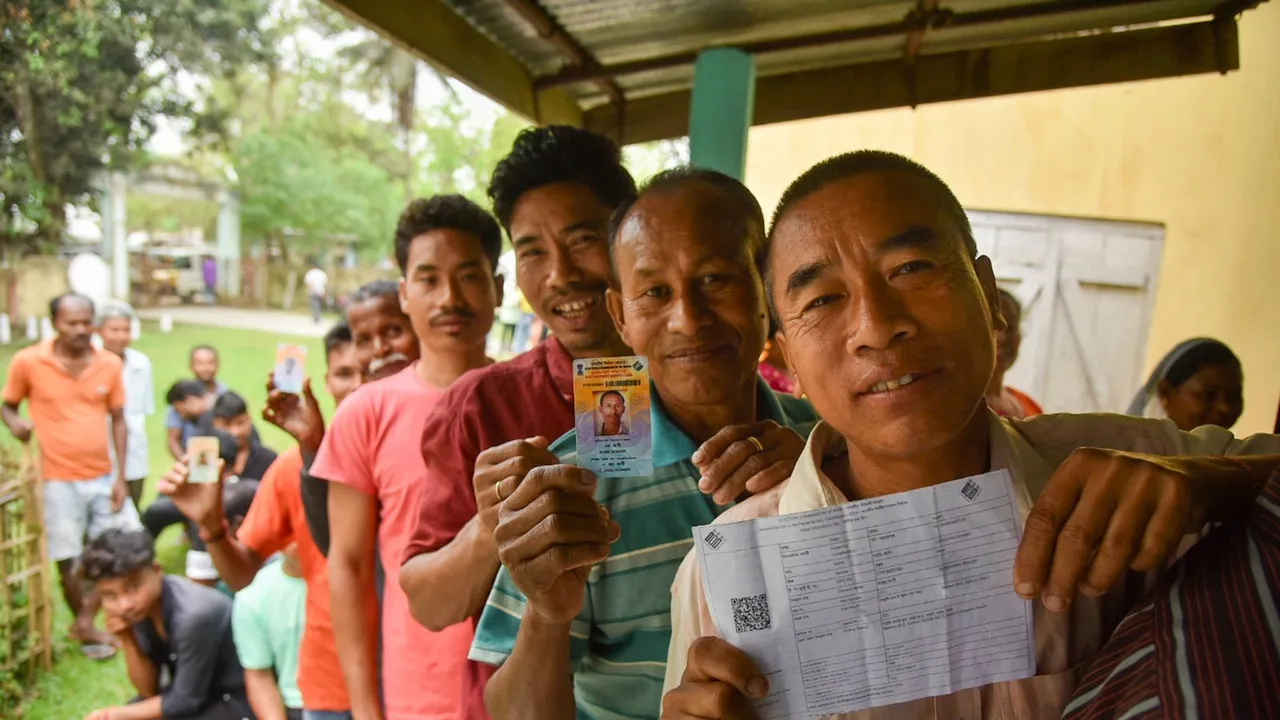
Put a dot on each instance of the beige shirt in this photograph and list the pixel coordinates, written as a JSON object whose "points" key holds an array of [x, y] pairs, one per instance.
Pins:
{"points": [[1030, 450]]}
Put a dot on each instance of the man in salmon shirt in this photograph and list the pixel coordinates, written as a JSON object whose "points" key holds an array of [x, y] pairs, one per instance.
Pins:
{"points": [[276, 520], [888, 315], [447, 249], [554, 193], [71, 390]]}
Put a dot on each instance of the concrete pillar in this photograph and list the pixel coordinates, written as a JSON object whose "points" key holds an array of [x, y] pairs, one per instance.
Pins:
{"points": [[228, 245], [724, 89], [115, 234]]}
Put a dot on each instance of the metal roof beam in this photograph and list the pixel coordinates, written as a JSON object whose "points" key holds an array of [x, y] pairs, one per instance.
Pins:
{"points": [[435, 33], [1169, 51], [549, 30], [915, 22]]}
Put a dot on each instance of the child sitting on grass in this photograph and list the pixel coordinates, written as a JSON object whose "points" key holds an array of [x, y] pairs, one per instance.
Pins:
{"points": [[175, 635]]}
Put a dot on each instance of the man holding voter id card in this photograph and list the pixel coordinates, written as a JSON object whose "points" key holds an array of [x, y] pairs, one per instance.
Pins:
{"points": [[886, 313], [578, 618]]}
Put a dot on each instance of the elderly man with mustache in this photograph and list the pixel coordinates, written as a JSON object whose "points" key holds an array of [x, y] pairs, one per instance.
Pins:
{"points": [[447, 248], [888, 315], [578, 618]]}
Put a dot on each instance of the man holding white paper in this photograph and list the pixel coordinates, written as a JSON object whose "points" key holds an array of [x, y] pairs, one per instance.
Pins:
{"points": [[589, 642], [887, 315]]}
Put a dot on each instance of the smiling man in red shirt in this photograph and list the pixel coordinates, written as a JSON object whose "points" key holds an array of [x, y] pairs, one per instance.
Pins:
{"points": [[554, 193]]}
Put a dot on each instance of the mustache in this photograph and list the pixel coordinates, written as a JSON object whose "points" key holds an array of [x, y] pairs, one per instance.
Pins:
{"points": [[378, 363], [577, 287], [445, 316]]}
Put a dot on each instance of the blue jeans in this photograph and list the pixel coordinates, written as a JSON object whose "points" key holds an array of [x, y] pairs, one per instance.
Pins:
{"points": [[326, 715]]}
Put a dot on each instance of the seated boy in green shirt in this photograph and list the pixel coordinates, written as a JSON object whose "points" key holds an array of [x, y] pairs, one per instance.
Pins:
{"points": [[267, 623]]}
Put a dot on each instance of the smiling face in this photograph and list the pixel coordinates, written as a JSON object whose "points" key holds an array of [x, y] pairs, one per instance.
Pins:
{"points": [[690, 295], [449, 291], [383, 337], [560, 239], [1214, 395], [885, 319]]}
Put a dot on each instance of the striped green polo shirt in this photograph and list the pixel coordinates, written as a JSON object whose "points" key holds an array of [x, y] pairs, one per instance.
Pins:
{"points": [[619, 640]]}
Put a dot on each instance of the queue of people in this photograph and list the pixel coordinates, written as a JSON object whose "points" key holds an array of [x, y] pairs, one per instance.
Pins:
{"points": [[450, 559]]}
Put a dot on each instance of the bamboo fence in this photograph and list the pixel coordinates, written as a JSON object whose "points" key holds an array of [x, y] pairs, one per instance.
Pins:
{"points": [[26, 597]]}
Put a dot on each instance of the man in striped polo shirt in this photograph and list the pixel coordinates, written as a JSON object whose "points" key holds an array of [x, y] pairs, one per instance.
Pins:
{"points": [[579, 615]]}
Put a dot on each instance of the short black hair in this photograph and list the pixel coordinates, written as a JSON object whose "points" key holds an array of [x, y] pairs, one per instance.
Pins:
{"points": [[374, 290], [198, 348], [733, 189], [861, 162], [1204, 353], [117, 553], [227, 447], [554, 154], [229, 406], [56, 304], [184, 389], [338, 337], [447, 212], [237, 497], [607, 393]]}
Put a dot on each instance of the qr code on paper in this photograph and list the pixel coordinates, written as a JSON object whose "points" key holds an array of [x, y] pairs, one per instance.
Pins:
{"points": [[750, 614]]}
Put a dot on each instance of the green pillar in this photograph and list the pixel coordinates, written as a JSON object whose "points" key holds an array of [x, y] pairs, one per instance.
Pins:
{"points": [[724, 92]]}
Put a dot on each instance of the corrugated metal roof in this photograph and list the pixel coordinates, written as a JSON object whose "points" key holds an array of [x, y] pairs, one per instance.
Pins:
{"points": [[626, 31]]}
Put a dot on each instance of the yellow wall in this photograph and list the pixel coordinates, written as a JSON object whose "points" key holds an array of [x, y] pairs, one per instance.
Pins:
{"points": [[1200, 155]]}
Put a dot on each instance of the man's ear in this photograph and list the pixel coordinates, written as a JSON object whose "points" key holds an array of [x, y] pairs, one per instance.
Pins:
{"points": [[780, 339], [499, 286], [613, 301], [987, 279], [403, 293]]}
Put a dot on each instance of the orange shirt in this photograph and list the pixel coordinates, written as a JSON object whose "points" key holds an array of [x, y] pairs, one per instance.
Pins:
{"points": [[275, 519], [69, 413]]}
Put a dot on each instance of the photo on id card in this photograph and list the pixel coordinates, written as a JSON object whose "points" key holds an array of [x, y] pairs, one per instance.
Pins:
{"points": [[612, 418], [291, 363], [202, 460]]}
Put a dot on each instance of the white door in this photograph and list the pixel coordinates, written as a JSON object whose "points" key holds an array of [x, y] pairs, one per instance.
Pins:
{"points": [[1087, 288]]}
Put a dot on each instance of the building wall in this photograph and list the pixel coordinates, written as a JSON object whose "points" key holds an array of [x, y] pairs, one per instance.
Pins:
{"points": [[1200, 155]]}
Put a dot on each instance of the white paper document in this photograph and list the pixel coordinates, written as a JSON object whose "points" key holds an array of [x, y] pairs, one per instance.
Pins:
{"points": [[874, 602]]}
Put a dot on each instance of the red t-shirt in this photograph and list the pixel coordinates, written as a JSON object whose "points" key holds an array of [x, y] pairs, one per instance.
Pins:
{"points": [[527, 396], [275, 519], [374, 447]]}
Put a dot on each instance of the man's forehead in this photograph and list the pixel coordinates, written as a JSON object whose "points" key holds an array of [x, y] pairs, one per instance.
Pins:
{"points": [[692, 215], [866, 209]]}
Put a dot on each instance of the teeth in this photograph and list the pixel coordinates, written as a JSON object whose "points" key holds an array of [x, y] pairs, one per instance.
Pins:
{"points": [[575, 308], [888, 385]]}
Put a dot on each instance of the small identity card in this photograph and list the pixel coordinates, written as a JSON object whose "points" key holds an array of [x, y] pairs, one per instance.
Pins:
{"points": [[202, 460], [291, 362], [611, 416]]}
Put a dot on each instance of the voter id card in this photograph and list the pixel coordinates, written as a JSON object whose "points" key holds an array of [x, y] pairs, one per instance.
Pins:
{"points": [[291, 361], [202, 460], [611, 416]]}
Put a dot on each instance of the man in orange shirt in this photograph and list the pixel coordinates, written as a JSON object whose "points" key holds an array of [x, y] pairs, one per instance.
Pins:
{"points": [[71, 388], [276, 520]]}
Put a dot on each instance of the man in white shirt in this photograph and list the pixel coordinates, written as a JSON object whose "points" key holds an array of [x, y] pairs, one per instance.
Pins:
{"points": [[317, 282], [115, 327]]}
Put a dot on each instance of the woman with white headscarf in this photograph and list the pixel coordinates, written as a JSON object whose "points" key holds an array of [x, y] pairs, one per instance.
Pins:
{"points": [[1199, 382]]}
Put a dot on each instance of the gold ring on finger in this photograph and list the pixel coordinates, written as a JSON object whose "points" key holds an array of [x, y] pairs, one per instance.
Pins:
{"points": [[756, 441], [497, 490]]}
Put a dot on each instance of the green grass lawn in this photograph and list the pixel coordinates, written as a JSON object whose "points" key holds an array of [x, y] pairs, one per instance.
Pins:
{"points": [[78, 685]]}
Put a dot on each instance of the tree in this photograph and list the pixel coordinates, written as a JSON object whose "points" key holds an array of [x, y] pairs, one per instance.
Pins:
{"points": [[300, 193], [83, 84]]}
